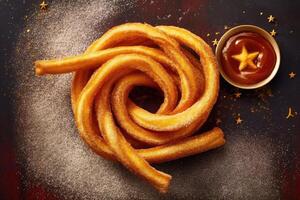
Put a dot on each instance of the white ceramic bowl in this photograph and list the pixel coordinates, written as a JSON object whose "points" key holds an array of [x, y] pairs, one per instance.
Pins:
{"points": [[248, 28]]}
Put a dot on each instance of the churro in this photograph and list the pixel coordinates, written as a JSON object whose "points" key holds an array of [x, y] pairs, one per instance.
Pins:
{"points": [[136, 54]]}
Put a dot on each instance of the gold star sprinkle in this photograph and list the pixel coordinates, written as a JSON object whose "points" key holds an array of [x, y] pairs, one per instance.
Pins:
{"points": [[238, 120], [43, 5], [226, 27], [246, 59], [208, 34], [215, 42], [28, 30], [273, 33], [292, 75], [290, 113], [237, 94], [271, 18], [217, 33], [261, 13]]}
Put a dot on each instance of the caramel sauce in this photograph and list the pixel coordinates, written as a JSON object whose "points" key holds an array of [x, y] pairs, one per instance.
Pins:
{"points": [[253, 42]]}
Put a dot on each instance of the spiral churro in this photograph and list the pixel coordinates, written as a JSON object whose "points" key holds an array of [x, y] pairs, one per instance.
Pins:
{"points": [[136, 54]]}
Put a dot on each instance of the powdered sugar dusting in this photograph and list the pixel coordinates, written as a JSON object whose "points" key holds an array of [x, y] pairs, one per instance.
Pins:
{"points": [[48, 141]]}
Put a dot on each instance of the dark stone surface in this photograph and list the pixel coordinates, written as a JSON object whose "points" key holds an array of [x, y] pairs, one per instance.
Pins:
{"points": [[261, 159]]}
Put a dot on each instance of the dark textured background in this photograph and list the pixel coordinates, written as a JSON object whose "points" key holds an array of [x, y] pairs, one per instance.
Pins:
{"points": [[261, 159]]}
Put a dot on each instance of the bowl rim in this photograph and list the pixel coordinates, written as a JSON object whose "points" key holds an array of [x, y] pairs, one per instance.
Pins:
{"points": [[247, 28]]}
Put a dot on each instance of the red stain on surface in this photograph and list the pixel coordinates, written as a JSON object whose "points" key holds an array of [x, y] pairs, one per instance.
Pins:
{"points": [[38, 193]]}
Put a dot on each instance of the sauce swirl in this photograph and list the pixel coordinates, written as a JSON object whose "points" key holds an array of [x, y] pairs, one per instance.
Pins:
{"points": [[248, 58]]}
